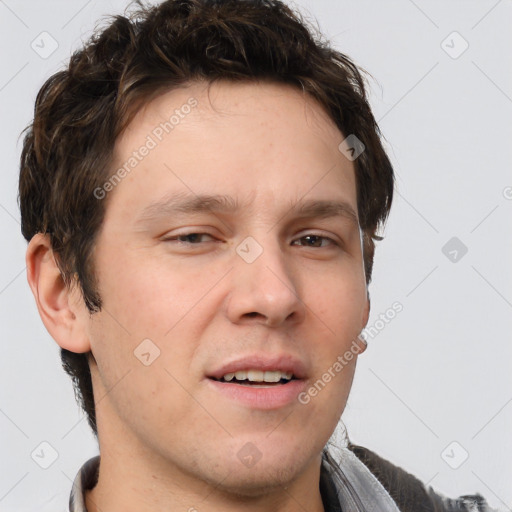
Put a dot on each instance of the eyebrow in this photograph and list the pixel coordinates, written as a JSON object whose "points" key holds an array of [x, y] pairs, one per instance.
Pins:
{"points": [[181, 203]]}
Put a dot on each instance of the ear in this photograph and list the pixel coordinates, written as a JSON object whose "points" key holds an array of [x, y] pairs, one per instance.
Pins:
{"points": [[57, 305], [364, 321], [366, 311]]}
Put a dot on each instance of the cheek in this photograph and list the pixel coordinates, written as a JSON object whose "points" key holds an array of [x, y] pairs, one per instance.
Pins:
{"points": [[339, 303], [147, 297], [338, 310], [153, 309], [145, 377]]}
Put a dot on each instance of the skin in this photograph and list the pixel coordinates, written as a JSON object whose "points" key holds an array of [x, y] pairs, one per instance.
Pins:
{"points": [[168, 441]]}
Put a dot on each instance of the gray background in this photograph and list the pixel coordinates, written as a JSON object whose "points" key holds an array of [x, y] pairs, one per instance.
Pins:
{"points": [[439, 372]]}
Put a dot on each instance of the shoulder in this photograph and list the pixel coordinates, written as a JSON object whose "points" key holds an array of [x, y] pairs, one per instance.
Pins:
{"points": [[85, 479], [409, 493]]}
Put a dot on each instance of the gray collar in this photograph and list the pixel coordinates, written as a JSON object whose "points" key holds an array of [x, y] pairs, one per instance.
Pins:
{"points": [[358, 490]]}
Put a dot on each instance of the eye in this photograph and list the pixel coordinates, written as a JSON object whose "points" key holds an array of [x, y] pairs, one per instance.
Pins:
{"points": [[311, 240], [187, 238], [316, 241]]}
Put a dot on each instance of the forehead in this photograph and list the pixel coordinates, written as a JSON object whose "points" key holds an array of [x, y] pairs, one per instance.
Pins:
{"points": [[248, 140], [226, 102]]}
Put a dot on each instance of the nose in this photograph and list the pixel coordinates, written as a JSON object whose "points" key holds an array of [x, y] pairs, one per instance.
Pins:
{"points": [[265, 290]]}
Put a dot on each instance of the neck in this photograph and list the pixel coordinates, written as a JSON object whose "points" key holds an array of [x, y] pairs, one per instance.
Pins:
{"points": [[130, 485]]}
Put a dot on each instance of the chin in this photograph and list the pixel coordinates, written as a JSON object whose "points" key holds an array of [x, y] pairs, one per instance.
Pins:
{"points": [[253, 482], [274, 469]]}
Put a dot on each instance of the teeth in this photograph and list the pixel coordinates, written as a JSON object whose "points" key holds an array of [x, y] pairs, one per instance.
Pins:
{"points": [[258, 376], [255, 375]]}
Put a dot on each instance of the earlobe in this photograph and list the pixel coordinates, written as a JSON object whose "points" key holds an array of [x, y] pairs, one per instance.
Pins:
{"points": [[53, 298]]}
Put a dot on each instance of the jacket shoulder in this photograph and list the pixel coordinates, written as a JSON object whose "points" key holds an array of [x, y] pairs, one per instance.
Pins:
{"points": [[408, 492]]}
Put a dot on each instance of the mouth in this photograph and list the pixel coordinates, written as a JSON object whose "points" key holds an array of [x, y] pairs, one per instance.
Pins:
{"points": [[260, 381], [257, 378]]}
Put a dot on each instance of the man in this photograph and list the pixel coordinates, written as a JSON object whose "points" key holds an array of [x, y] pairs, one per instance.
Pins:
{"points": [[201, 190]]}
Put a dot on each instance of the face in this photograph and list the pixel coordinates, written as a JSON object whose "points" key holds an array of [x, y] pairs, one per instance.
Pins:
{"points": [[230, 250]]}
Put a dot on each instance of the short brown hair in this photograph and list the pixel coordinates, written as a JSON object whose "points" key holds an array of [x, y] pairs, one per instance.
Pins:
{"points": [[80, 112]]}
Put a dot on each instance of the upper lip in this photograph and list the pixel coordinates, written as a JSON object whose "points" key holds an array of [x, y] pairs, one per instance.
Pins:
{"points": [[263, 362]]}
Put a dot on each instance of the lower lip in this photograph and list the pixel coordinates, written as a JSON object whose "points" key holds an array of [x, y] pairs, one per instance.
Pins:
{"points": [[266, 398]]}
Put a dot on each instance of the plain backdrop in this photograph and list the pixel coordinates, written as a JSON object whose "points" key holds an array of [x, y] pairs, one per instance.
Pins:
{"points": [[433, 391]]}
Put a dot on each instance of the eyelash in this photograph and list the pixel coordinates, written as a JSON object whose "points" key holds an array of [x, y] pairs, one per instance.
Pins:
{"points": [[182, 235]]}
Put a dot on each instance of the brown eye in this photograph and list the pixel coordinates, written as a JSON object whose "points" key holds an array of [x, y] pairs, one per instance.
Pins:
{"points": [[316, 241], [187, 238]]}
